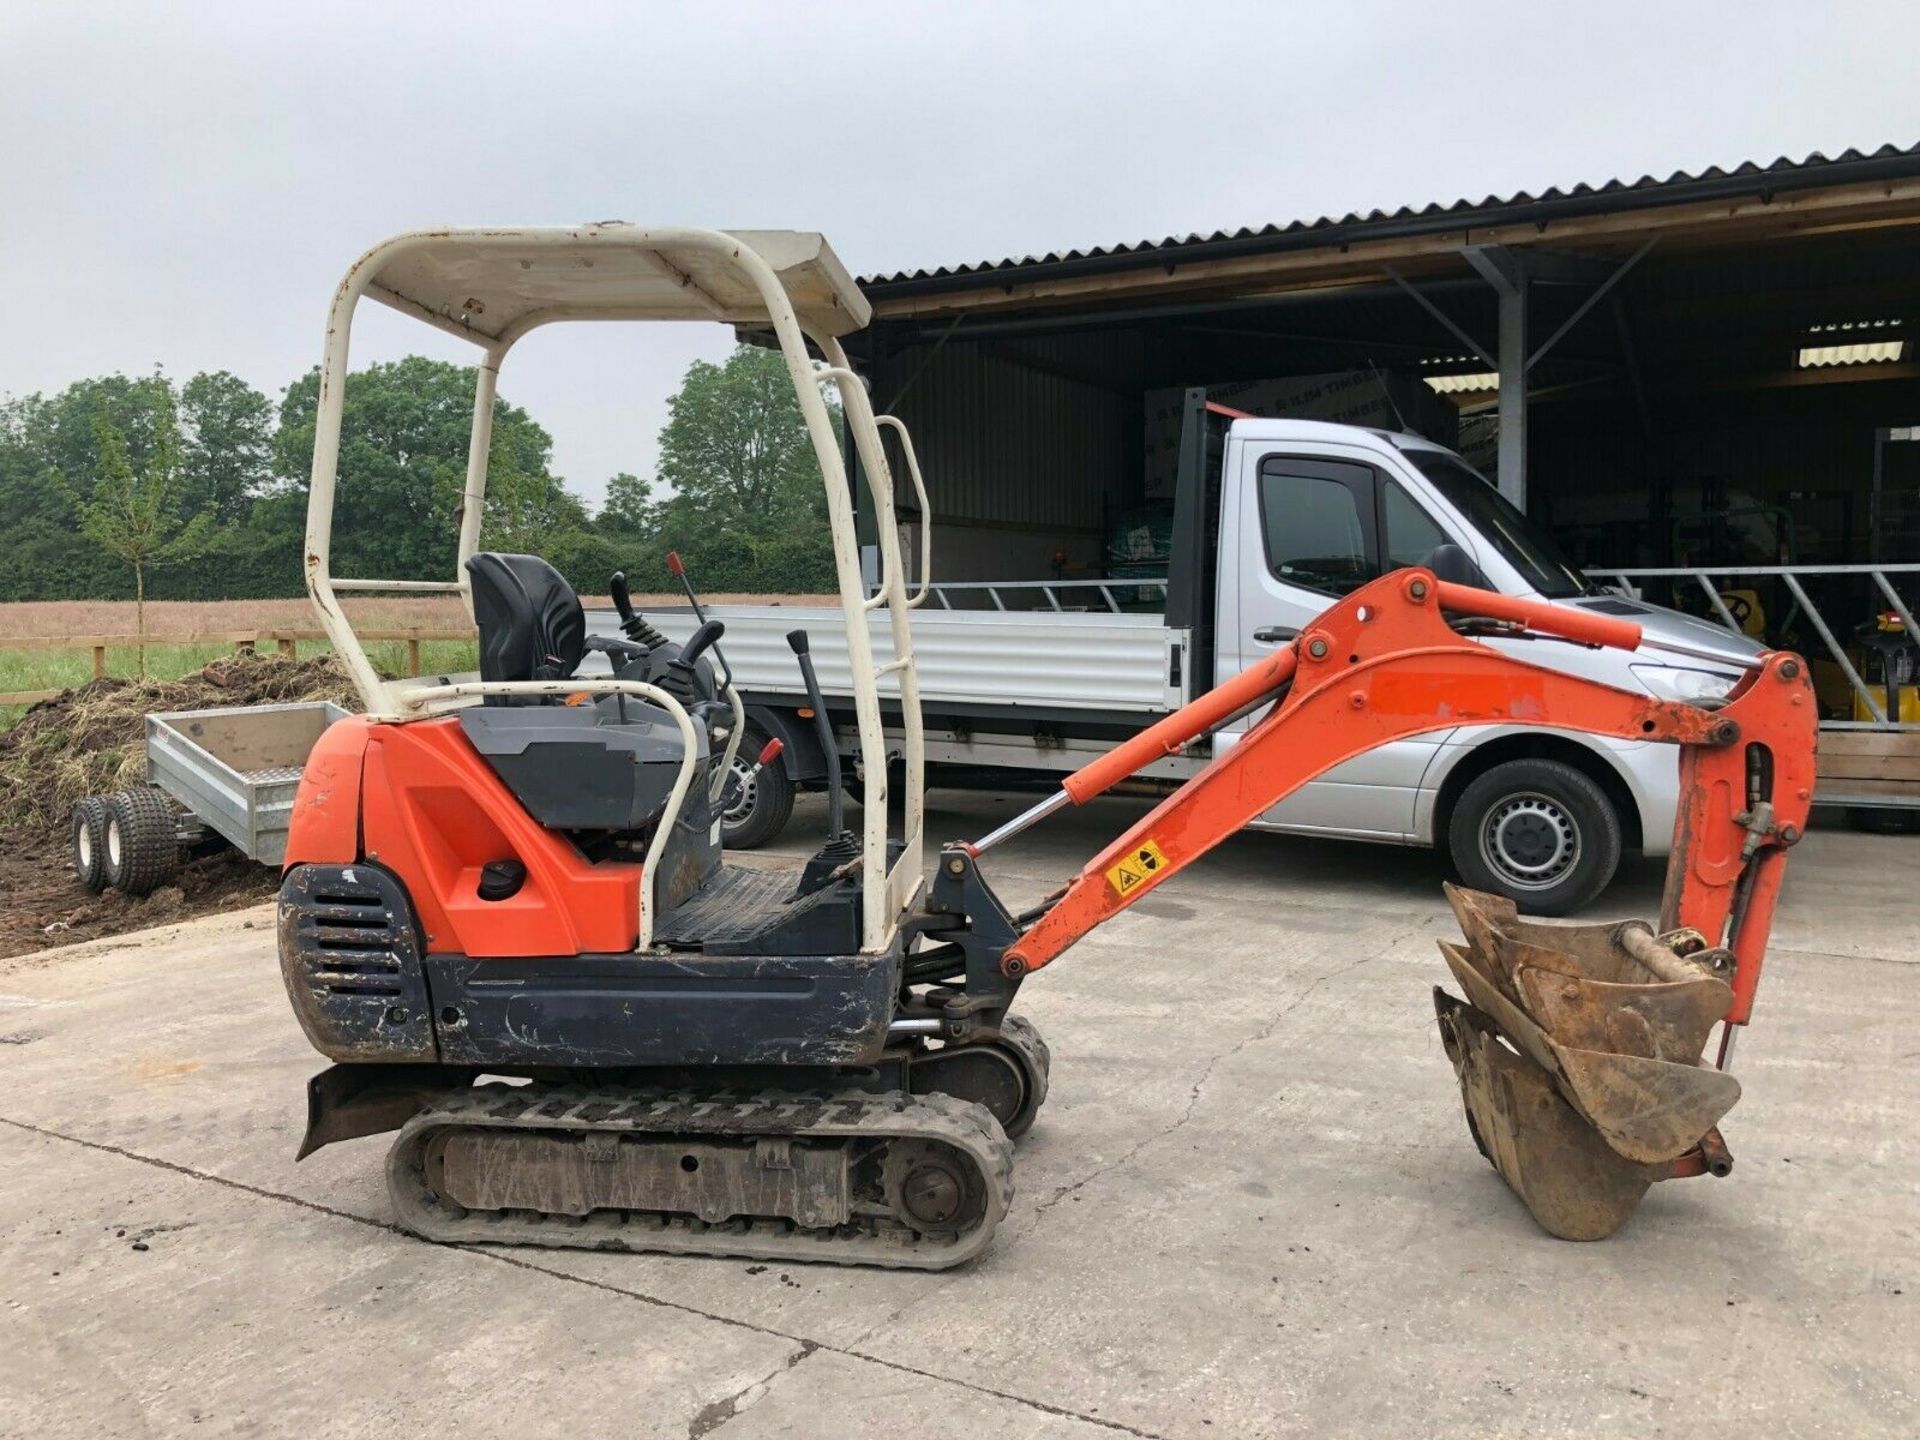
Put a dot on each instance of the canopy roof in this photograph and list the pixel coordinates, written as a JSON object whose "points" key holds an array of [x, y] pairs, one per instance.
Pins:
{"points": [[484, 283]]}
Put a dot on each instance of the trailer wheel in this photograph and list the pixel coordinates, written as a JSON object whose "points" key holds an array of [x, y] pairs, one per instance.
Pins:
{"points": [[89, 836], [752, 812], [142, 851], [1539, 832]]}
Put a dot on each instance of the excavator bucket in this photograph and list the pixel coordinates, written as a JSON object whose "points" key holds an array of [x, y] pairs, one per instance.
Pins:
{"points": [[1578, 1053]]}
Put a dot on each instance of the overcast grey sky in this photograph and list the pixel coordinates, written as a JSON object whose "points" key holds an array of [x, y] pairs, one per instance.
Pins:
{"points": [[185, 184]]}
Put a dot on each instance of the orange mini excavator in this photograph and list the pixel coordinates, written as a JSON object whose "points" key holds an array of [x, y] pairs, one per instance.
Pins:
{"points": [[506, 919]]}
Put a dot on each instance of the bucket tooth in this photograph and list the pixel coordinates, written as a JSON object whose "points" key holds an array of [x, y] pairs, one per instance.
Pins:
{"points": [[1569, 1179]]}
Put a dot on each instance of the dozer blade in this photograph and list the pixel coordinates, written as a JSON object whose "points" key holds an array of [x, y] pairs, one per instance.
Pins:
{"points": [[1571, 1181]]}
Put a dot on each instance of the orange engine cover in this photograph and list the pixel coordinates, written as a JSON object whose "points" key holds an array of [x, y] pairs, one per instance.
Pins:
{"points": [[418, 800]]}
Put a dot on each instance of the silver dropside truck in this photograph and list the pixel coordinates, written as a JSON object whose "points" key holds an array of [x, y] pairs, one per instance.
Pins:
{"points": [[1273, 520]]}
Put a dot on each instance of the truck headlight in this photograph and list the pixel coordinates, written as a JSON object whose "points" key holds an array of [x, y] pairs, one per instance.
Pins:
{"points": [[1671, 682]]}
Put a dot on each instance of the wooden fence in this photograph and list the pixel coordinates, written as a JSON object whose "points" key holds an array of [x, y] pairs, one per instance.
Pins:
{"points": [[287, 642]]}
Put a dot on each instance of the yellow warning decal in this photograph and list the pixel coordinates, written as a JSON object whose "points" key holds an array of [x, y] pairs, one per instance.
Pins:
{"points": [[1144, 860]]}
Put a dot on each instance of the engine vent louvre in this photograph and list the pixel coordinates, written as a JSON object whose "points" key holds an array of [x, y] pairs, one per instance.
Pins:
{"points": [[351, 957], [356, 955]]}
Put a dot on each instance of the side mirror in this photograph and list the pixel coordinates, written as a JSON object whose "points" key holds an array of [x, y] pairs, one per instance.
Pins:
{"points": [[1451, 563]]}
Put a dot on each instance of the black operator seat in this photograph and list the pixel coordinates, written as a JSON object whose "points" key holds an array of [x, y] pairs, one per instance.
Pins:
{"points": [[530, 621], [607, 766]]}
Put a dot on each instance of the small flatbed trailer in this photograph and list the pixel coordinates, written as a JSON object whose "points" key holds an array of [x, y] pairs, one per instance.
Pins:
{"points": [[218, 776]]}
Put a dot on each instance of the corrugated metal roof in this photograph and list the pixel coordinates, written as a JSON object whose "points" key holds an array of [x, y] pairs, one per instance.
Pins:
{"points": [[1889, 161]]}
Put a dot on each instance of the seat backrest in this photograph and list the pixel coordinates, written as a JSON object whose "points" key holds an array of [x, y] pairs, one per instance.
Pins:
{"points": [[531, 624]]}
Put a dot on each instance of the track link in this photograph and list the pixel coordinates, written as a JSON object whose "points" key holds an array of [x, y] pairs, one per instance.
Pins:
{"points": [[945, 1158]]}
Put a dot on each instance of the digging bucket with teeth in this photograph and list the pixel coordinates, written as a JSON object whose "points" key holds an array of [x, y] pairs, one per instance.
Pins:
{"points": [[1578, 1050]]}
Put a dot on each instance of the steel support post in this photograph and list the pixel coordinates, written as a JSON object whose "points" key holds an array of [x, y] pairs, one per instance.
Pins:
{"points": [[1502, 269]]}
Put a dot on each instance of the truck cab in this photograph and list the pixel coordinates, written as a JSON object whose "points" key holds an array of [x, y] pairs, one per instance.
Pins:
{"points": [[1310, 511]]}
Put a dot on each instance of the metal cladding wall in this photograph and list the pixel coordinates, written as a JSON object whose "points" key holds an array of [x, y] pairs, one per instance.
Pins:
{"points": [[1039, 434]]}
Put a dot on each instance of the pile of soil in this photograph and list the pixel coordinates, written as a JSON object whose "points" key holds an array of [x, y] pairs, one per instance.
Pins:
{"points": [[90, 741], [43, 905]]}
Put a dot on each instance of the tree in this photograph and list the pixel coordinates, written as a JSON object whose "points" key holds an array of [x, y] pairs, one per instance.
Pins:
{"points": [[403, 466], [23, 465], [526, 509], [228, 429], [41, 437], [135, 515], [630, 508], [735, 448]]}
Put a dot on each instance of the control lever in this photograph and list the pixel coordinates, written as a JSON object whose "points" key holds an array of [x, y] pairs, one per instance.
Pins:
{"points": [[679, 569], [841, 847], [700, 641], [634, 624], [679, 681]]}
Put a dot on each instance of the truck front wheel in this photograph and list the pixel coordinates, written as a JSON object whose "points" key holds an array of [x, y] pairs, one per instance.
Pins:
{"points": [[1539, 832], [753, 811]]}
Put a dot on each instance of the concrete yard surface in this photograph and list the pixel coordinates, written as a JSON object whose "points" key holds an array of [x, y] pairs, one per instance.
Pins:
{"points": [[1250, 1208]]}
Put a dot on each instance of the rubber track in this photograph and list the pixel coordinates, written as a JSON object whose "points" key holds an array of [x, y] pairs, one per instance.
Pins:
{"points": [[850, 1116], [1019, 1033]]}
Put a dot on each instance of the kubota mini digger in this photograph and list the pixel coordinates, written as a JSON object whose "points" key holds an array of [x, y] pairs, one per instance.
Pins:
{"points": [[519, 876]]}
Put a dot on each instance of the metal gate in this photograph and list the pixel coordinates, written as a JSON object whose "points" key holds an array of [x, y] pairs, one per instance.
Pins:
{"points": [[1871, 756]]}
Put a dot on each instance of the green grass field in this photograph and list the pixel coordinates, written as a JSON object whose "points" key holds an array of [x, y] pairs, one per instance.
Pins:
{"points": [[57, 669]]}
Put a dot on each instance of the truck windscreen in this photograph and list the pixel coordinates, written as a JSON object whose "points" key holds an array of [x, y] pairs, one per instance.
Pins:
{"points": [[1520, 542]]}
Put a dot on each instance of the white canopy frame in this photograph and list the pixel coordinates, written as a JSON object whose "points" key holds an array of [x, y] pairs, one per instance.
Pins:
{"points": [[492, 287]]}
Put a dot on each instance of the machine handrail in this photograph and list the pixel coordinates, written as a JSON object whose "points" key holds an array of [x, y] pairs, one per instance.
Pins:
{"points": [[438, 587], [903, 878], [893, 423], [420, 695], [717, 786]]}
